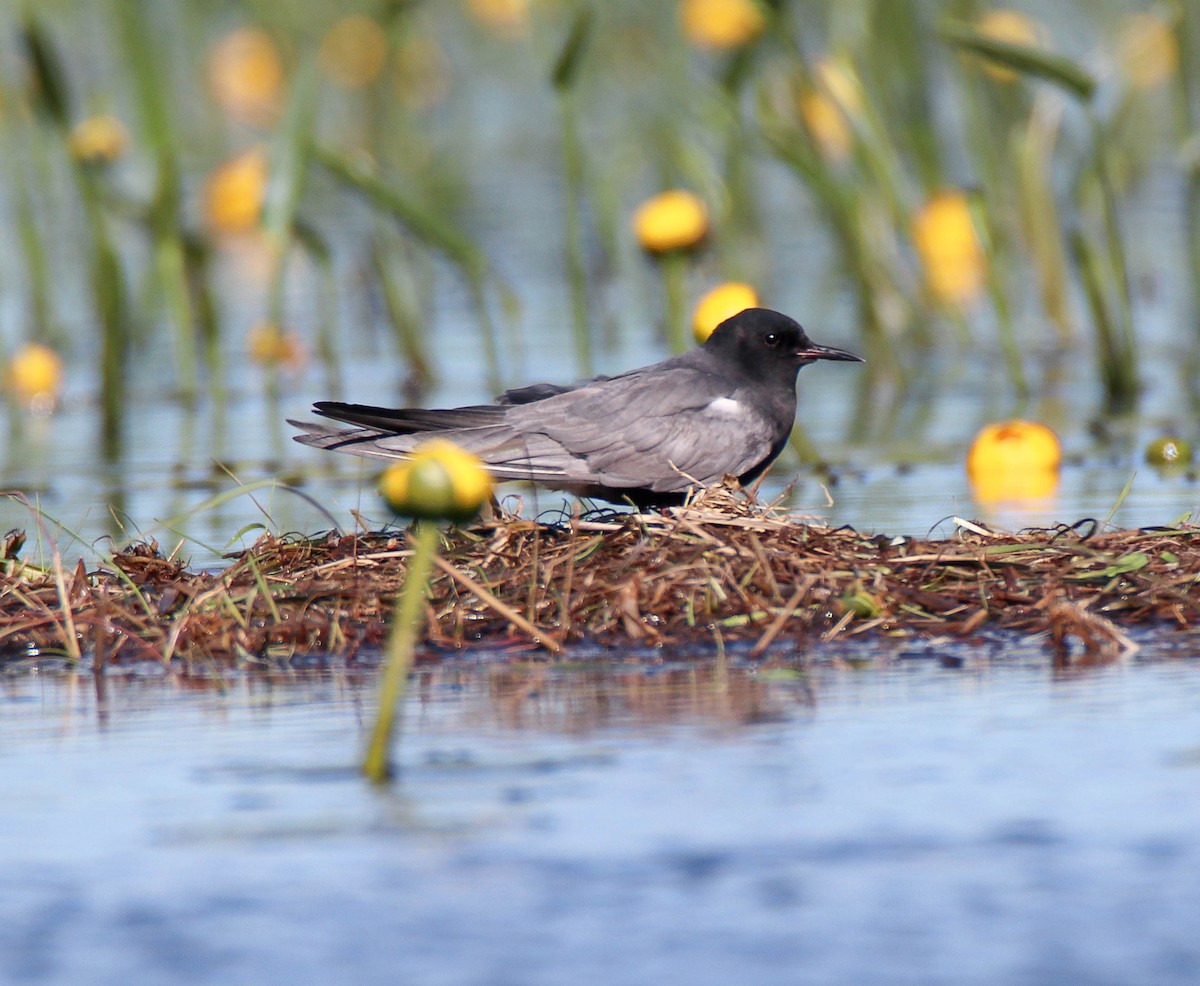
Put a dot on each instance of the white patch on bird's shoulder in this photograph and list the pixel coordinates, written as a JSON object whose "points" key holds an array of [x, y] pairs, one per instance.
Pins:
{"points": [[725, 406]]}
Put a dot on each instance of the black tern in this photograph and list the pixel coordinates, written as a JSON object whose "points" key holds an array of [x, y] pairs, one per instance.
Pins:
{"points": [[647, 436]]}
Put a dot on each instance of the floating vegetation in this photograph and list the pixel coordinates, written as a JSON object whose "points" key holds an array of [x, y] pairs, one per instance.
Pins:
{"points": [[723, 571]]}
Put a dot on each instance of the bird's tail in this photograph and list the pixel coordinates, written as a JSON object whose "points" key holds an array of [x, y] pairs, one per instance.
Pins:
{"points": [[356, 441], [409, 420]]}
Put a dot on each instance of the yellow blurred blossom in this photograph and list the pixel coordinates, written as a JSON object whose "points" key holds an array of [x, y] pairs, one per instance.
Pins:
{"points": [[98, 139], [827, 125], [508, 18], [354, 51], [944, 235], [722, 302], [721, 24], [234, 193], [422, 73], [439, 482], [245, 73], [34, 376], [673, 220], [1012, 27], [269, 344], [1147, 50], [837, 79], [1014, 462]]}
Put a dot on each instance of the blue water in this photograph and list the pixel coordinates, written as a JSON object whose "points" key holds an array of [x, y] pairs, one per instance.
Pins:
{"points": [[902, 823]]}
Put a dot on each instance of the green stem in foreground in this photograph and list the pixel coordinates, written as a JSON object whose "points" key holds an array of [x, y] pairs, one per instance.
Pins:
{"points": [[406, 623]]}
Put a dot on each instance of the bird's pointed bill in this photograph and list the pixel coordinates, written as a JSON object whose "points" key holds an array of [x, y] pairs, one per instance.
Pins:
{"points": [[814, 352]]}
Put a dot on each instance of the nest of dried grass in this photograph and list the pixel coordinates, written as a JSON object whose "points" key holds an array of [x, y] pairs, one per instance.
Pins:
{"points": [[724, 570]]}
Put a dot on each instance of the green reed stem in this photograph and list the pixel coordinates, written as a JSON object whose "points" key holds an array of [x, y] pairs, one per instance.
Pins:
{"points": [[108, 295], [432, 230], [406, 624], [196, 266], [674, 265], [572, 153], [288, 169], [1118, 369], [1116, 246], [483, 315], [564, 77], [1189, 95], [840, 206], [996, 292], [36, 268], [152, 87], [404, 314], [328, 350], [422, 223], [1033, 150]]}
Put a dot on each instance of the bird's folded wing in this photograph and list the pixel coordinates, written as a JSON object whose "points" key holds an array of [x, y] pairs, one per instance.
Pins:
{"points": [[656, 438]]}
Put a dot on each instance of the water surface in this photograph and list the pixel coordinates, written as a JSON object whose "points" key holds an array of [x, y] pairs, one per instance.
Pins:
{"points": [[906, 822]]}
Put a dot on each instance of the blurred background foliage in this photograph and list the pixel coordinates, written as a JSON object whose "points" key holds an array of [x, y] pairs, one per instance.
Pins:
{"points": [[193, 185]]}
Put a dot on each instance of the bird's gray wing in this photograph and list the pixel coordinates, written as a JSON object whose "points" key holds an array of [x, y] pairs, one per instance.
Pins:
{"points": [[656, 431]]}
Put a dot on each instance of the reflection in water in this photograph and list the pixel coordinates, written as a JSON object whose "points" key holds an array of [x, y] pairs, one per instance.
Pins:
{"points": [[582, 700], [570, 700]]}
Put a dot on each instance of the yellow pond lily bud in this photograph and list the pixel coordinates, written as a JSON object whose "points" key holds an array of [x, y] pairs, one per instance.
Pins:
{"points": [[234, 193], [827, 124], [34, 376], [268, 344], [722, 302], [245, 74], [354, 51], [721, 24], [1147, 50], [674, 220], [98, 139], [440, 482], [946, 240], [1014, 461], [506, 18]]}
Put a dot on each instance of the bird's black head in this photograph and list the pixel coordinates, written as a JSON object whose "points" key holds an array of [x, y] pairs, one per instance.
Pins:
{"points": [[769, 344]]}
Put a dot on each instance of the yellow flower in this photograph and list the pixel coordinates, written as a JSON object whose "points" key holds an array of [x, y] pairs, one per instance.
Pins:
{"points": [[1147, 50], [98, 139], [270, 345], [944, 235], [827, 125], [439, 482], [34, 376], [354, 51], [1014, 462], [721, 24], [233, 194], [1010, 26], [674, 220], [422, 73], [245, 74], [837, 79], [722, 302], [508, 18]]}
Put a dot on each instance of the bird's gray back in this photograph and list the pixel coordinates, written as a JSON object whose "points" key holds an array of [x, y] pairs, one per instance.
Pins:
{"points": [[655, 428]]}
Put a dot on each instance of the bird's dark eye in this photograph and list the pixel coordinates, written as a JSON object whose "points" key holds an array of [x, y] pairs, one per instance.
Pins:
{"points": [[772, 339]]}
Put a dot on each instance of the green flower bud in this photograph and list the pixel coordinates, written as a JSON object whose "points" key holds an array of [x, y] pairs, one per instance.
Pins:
{"points": [[439, 482]]}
